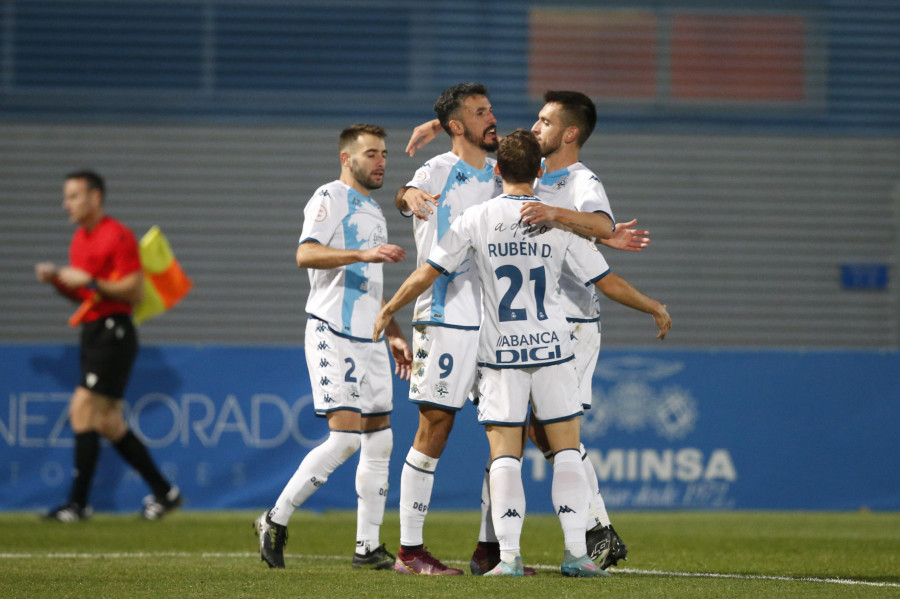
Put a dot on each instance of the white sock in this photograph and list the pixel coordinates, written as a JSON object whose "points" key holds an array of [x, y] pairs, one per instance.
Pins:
{"points": [[570, 499], [313, 473], [486, 533], [597, 511], [416, 483], [508, 505], [372, 487]]}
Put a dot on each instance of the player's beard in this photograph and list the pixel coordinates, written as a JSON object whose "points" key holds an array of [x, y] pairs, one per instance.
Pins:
{"points": [[549, 146], [484, 145], [363, 178]]}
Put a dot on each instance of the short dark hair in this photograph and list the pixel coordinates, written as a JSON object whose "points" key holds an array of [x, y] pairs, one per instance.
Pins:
{"points": [[349, 135], [451, 100], [577, 110], [519, 157], [93, 180]]}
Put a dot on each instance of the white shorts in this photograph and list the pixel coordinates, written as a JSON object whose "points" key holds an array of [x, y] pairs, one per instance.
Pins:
{"points": [[505, 394], [586, 336], [347, 374], [444, 364]]}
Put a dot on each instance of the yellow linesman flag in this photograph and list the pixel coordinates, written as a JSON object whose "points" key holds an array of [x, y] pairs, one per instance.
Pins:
{"points": [[164, 281]]}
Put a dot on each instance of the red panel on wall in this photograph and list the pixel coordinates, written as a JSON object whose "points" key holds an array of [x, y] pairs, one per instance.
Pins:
{"points": [[604, 54], [755, 58]]}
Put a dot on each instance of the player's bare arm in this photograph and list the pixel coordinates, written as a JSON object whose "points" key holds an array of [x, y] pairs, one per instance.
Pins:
{"points": [[399, 349], [422, 135], [416, 201], [626, 238], [316, 255], [590, 225], [420, 280], [618, 289]]}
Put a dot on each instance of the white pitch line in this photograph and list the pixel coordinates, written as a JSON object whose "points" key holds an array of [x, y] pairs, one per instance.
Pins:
{"points": [[756, 577], [244, 555]]}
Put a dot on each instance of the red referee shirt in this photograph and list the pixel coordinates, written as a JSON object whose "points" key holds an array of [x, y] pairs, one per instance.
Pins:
{"points": [[109, 252]]}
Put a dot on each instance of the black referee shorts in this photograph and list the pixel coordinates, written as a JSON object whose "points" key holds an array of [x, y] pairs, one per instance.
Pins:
{"points": [[109, 347]]}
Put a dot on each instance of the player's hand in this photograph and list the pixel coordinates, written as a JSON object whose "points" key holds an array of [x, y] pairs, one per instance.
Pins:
{"points": [[420, 203], [625, 238], [534, 213], [421, 135], [381, 322], [45, 272], [73, 277], [386, 252], [402, 356], [663, 321]]}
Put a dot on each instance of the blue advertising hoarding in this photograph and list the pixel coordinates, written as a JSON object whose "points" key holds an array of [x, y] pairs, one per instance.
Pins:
{"points": [[805, 430]]}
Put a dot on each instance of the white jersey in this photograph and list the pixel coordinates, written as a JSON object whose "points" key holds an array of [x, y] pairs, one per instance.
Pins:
{"points": [[576, 188], [454, 300], [524, 321], [349, 297]]}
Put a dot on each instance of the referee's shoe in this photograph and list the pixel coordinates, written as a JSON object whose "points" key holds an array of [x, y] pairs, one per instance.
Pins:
{"points": [[156, 507]]}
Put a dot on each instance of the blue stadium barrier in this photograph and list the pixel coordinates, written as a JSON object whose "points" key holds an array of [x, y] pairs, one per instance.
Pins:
{"points": [[795, 430]]}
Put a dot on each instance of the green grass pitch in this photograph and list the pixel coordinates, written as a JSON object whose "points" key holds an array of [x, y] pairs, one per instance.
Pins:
{"points": [[671, 554]]}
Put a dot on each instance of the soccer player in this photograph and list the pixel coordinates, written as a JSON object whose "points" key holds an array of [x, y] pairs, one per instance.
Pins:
{"points": [[525, 353], [446, 318], [574, 198], [343, 245], [105, 276]]}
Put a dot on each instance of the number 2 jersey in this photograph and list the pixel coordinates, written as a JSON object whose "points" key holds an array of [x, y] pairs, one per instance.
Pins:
{"points": [[347, 298], [454, 300], [575, 187], [524, 322]]}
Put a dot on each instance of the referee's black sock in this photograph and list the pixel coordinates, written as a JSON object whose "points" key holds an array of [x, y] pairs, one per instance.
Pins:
{"points": [[135, 453], [87, 451]]}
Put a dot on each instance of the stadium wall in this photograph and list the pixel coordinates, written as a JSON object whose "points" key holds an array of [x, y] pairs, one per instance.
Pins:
{"points": [[757, 141], [669, 429]]}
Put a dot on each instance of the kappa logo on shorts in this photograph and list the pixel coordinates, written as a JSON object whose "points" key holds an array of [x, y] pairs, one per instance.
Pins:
{"points": [[320, 328], [324, 381], [421, 354], [327, 399], [324, 363], [323, 345]]}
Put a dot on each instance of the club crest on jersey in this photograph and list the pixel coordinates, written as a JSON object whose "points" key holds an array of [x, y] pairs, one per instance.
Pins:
{"points": [[440, 389]]}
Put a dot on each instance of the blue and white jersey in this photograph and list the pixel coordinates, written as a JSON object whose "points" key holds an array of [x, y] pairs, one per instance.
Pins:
{"points": [[454, 300], [575, 188], [524, 321], [348, 298]]}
